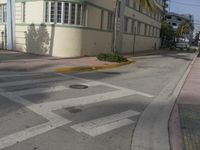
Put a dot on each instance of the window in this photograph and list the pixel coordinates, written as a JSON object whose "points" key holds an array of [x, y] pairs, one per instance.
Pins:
{"points": [[52, 12], [158, 32], [149, 34], [73, 15], [179, 19], [64, 12], [146, 29], [132, 26], [47, 12], [153, 31], [110, 20], [138, 28], [125, 24], [168, 17], [102, 17], [59, 12], [140, 8], [134, 4], [127, 2], [3, 13], [23, 11], [174, 24], [79, 14]]}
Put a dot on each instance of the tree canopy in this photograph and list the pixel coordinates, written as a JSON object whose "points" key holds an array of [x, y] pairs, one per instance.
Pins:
{"points": [[167, 31], [184, 29]]}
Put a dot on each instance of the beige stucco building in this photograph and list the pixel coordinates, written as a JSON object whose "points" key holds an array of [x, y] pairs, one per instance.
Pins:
{"points": [[71, 28]]}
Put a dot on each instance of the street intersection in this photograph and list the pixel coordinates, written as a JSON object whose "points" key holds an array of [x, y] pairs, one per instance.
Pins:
{"points": [[43, 111]]}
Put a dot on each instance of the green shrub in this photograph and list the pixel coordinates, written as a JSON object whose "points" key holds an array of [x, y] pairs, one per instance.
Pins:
{"points": [[194, 50], [111, 57]]}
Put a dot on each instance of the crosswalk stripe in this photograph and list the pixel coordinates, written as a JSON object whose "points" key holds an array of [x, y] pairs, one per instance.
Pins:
{"points": [[105, 124], [15, 83], [105, 120], [105, 128], [47, 89], [109, 127], [40, 90], [107, 84], [17, 75], [122, 88], [30, 132], [72, 102]]}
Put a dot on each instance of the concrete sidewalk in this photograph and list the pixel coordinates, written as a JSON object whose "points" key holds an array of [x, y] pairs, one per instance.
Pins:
{"points": [[17, 61], [185, 120]]}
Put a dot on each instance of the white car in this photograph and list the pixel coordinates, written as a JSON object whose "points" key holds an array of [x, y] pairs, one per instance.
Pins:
{"points": [[182, 45]]}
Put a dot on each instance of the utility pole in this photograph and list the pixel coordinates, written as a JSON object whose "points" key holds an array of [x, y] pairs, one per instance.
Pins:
{"points": [[121, 32], [118, 26], [115, 25], [169, 5], [10, 24]]}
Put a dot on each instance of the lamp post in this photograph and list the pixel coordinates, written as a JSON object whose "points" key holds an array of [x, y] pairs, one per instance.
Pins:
{"points": [[10, 24]]}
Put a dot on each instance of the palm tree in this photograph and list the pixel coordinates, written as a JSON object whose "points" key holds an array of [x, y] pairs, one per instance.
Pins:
{"points": [[184, 29], [146, 4]]}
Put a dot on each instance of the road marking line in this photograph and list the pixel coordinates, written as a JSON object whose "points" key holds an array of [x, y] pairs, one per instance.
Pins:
{"points": [[72, 102], [30, 132], [40, 90], [105, 120], [105, 124], [45, 109], [109, 85], [6, 84], [17, 75], [122, 88], [47, 114], [47, 89], [104, 128]]}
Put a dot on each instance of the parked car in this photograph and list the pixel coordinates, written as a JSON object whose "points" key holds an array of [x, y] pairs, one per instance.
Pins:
{"points": [[183, 45]]}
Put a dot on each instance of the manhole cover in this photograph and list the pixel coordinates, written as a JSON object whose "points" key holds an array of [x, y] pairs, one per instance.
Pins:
{"points": [[73, 110], [78, 86], [111, 73]]}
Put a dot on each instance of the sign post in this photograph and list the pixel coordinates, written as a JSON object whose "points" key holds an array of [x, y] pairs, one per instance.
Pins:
{"points": [[11, 24]]}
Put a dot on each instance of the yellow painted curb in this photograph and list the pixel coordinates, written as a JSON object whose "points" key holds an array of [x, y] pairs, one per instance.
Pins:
{"points": [[89, 68]]}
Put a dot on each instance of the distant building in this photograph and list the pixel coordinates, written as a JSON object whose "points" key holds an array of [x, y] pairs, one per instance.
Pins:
{"points": [[72, 28], [175, 20]]}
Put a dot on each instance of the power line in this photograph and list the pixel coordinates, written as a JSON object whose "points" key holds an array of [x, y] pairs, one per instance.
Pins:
{"points": [[186, 4]]}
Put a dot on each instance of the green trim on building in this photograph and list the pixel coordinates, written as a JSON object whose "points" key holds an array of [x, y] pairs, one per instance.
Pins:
{"points": [[131, 34], [65, 26]]}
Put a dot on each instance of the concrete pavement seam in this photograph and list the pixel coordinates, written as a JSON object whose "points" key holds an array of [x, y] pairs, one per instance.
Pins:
{"points": [[152, 132]]}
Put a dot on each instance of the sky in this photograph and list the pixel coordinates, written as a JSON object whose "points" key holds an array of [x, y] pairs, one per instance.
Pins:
{"points": [[187, 7]]}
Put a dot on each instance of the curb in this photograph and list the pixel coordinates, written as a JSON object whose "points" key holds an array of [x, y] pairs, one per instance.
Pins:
{"points": [[90, 68], [153, 132], [172, 113]]}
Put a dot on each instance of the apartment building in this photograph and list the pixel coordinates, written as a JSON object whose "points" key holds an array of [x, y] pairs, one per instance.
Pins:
{"points": [[176, 20], [73, 28]]}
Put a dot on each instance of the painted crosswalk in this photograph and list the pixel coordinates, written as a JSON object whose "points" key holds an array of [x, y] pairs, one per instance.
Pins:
{"points": [[35, 81], [102, 125], [93, 127]]}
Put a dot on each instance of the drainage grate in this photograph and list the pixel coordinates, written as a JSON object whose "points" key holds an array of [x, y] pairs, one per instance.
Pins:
{"points": [[78, 86]]}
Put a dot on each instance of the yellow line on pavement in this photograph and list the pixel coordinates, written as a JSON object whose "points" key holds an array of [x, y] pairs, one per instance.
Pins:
{"points": [[90, 68]]}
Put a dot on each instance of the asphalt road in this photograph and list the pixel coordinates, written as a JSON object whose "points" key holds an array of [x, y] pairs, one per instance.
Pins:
{"points": [[40, 111]]}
